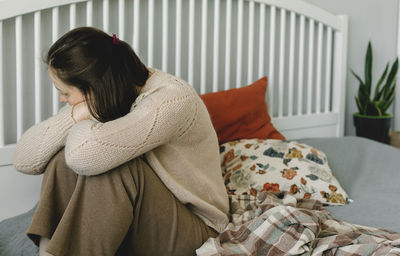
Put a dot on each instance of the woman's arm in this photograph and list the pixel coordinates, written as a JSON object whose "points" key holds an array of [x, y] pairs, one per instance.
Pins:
{"points": [[94, 148], [41, 141]]}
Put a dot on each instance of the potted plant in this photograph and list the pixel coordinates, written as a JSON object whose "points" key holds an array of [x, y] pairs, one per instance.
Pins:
{"points": [[372, 121]]}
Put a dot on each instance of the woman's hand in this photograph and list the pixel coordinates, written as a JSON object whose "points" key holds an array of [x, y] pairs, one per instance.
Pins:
{"points": [[80, 112]]}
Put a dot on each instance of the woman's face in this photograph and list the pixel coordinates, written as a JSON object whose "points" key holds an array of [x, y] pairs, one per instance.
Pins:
{"points": [[68, 93]]}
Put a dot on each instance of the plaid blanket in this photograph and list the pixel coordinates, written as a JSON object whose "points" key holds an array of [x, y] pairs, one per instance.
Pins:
{"points": [[278, 224]]}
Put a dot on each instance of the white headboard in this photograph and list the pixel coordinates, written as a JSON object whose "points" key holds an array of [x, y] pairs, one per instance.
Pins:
{"points": [[213, 44]]}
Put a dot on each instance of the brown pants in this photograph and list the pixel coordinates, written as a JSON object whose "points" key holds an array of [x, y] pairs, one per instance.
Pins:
{"points": [[125, 211]]}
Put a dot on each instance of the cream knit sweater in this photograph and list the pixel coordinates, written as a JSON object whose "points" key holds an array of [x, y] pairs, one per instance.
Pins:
{"points": [[168, 123]]}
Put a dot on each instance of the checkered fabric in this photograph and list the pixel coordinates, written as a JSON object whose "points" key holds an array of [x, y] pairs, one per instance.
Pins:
{"points": [[278, 224]]}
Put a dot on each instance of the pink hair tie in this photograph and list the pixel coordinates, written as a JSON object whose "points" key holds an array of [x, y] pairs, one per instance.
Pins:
{"points": [[115, 39]]}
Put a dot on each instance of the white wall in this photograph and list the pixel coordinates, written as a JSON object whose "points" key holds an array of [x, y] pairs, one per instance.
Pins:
{"points": [[374, 20]]}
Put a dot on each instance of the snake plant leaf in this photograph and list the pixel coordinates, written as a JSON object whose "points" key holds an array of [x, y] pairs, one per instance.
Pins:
{"points": [[368, 67], [391, 92], [378, 86], [377, 108], [391, 78], [373, 109], [358, 78], [363, 95], [379, 96], [384, 92], [385, 107], [380, 104], [381, 93], [370, 109], [360, 108], [389, 100]]}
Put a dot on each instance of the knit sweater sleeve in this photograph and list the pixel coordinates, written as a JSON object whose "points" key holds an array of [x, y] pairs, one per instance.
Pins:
{"points": [[40, 142], [94, 148]]}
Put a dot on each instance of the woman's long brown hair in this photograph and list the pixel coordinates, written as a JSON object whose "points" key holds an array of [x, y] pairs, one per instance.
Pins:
{"points": [[107, 72]]}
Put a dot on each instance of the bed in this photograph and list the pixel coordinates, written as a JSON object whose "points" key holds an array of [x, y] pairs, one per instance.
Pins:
{"points": [[215, 46], [366, 174]]}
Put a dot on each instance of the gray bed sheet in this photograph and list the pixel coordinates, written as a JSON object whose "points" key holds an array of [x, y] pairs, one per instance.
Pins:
{"points": [[369, 171], [13, 239]]}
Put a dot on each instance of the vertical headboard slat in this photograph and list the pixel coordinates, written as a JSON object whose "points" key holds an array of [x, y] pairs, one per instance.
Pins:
{"points": [[38, 65]]}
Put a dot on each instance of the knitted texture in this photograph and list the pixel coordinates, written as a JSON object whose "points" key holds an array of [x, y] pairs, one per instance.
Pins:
{"points": [[168, 123], [40, 142]]}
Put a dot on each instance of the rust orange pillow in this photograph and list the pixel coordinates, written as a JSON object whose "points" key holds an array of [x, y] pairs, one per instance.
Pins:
{"points": [[241, 113]]}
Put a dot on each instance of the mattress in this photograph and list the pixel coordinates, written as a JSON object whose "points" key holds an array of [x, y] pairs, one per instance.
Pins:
{"points": [[13, 240], [370, 173]]}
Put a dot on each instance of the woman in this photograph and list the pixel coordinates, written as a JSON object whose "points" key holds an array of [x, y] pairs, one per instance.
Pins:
{"points": [[131, 163]]}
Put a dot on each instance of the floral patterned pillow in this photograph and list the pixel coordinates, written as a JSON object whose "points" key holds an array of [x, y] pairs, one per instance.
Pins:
{"points": [[252, 165]]}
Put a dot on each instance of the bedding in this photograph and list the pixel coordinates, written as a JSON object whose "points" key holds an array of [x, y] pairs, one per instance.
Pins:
{"points": [[367, 170], [250, 166], [370, 173], [13, 239], [279, 224], [241, 113]]}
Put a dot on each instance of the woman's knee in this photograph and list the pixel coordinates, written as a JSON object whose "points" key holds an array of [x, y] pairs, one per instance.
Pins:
{"points": [[58, 164]]}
